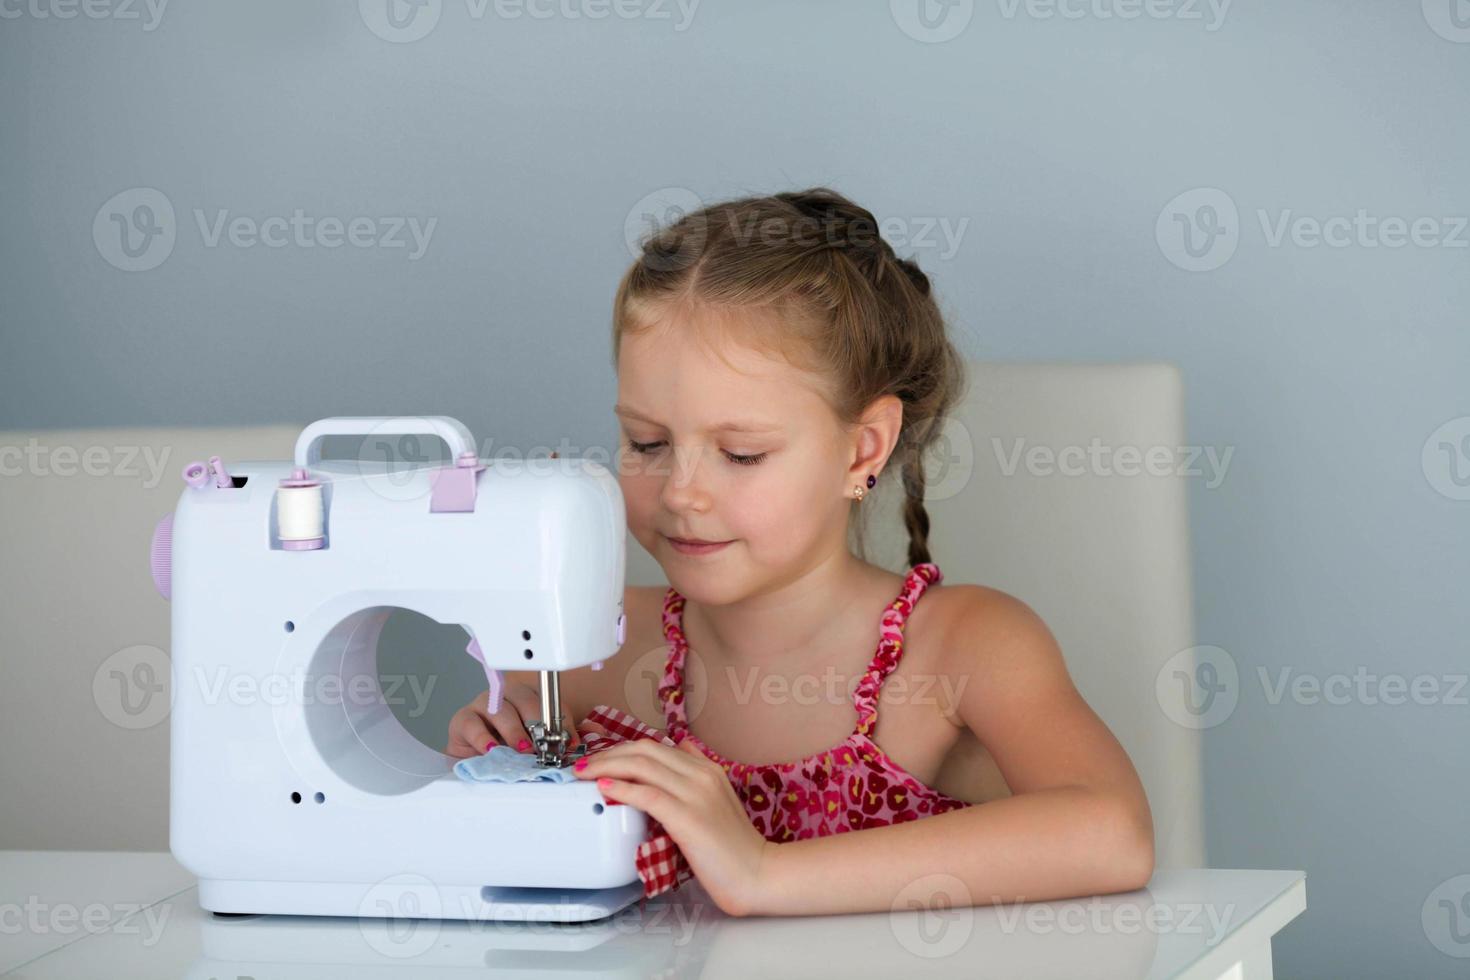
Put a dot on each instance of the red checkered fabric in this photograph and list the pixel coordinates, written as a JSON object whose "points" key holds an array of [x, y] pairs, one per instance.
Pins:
{"points": [[661, 865]]}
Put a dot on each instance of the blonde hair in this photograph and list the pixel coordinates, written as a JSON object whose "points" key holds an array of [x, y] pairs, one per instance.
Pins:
{"points": [[843, 306]]}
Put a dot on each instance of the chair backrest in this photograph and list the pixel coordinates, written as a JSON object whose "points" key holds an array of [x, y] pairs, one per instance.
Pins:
{"points": [[1102, 556], [1066, 486], [80, 617]]}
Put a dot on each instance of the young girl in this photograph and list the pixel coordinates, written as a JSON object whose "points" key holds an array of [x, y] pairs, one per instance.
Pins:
{"points": [[775, 359]]}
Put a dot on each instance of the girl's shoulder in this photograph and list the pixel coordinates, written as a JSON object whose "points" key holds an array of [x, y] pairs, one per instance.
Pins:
{"points": [[973, 634], [957, 603]]}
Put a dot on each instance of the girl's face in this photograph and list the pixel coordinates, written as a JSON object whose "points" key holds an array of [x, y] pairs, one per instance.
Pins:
{"points": [[744, 452]]}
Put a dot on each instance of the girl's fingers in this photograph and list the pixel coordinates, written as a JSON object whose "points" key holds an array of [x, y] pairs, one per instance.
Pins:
{"points": [[650, 799], [675, 758], [640, 768], [519, 704], [503, 725], [468, 735]]}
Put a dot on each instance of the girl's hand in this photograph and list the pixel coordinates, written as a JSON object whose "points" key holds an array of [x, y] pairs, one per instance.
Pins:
{"points": [[473, 731], [691, 795]]}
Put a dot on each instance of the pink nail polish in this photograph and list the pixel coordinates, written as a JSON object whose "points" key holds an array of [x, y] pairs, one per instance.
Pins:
{"points": [[523, 745], [490, 745], [579, 765]]}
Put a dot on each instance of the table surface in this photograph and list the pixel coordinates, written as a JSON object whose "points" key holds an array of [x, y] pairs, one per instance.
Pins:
{"points": [[125, 914]]}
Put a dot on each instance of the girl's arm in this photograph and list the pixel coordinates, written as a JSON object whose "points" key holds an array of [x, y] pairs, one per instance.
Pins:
{"points": [[1077, 824]]}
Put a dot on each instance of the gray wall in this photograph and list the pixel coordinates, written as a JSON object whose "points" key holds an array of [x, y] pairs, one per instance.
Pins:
{"points": [[1053, 146]]}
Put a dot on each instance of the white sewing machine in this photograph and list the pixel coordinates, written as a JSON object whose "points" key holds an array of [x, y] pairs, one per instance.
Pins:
{"points": [[294, 789]]}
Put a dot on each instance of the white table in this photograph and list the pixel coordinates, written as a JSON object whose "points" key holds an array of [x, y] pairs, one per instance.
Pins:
{"points": [[119, 914]]}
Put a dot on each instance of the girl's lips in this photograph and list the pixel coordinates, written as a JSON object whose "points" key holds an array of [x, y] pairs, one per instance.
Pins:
{"points": [[686, 548]]}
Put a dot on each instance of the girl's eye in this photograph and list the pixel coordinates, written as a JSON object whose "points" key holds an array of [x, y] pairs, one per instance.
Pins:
{"points": [[648, 447]]}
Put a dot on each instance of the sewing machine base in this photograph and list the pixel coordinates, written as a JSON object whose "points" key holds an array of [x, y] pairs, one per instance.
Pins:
{"points": [[412, 897]]}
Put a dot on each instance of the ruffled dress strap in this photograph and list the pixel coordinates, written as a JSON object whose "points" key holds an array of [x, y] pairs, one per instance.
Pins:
{"points": [[671, 687], [890, 643]]}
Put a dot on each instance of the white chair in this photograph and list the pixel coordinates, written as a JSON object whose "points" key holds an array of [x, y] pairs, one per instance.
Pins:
{"points": [[76, 592], [1104, 559]]}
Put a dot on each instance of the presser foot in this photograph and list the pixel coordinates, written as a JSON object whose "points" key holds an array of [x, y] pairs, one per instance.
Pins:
{"points": [[551, 747]]}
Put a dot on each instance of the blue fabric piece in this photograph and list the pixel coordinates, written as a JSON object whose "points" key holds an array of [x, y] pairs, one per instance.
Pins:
{"points": [[503, 764]]}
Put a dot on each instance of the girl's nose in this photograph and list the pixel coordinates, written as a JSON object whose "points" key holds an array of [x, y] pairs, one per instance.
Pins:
{"points": [[684, 487]]}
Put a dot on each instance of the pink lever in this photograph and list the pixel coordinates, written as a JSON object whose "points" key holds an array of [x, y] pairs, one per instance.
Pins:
{"points": [[493, 676]]}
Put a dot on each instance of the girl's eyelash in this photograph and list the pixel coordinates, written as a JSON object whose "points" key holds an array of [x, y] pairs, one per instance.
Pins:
{"points": [[647, 447]]}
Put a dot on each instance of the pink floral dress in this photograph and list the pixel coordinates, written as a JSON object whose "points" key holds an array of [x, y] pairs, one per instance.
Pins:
{"points": [[852, 785]]}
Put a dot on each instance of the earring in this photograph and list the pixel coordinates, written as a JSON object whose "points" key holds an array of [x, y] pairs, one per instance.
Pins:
{"points": [[858, 491]]}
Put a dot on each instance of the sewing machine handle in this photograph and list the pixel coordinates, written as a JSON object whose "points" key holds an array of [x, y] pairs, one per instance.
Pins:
{"points": [[452, 431]]}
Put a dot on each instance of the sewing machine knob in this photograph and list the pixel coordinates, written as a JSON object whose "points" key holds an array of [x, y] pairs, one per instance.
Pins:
{"points": [[161, 556]]}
